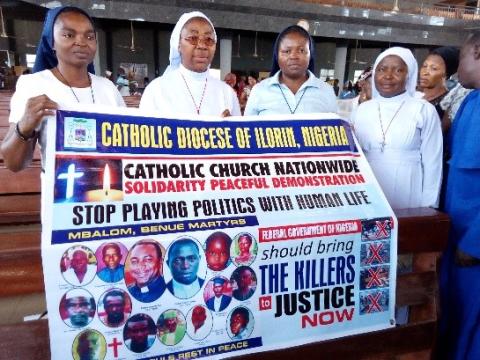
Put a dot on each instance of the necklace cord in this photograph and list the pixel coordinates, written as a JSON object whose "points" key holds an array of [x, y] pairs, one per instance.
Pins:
{"points": [[384, 132], [71, 89], [197, 108], [286, 101]]}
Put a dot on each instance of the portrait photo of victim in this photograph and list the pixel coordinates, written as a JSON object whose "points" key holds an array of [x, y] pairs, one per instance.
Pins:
{"points": [[244, 283], [240, 323], [199, 322], [89, 345], [77, 308], [218, 293], [144, 271], [114, 307], [244, 249], [139, 333], [111, 258], [186, 267], [171, 327], [78, 265], [217, 251]]}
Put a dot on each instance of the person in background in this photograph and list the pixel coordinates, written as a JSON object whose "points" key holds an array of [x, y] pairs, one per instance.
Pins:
{"points": [[231, 80], [186, 87], [364, 85], [292, 87], [436, 69], [63, 75], [10, 78], [123, 85], [336, 88], [348, 91], [109, 75], [134, 90], [460, 267], [247, 89], [400, 134], [452, 101], [241, 83]]}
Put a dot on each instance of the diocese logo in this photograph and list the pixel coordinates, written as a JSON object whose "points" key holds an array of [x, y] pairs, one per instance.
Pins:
{"points": [[80, 133]]}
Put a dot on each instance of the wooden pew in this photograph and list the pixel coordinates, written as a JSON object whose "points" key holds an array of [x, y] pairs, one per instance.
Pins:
{"points": [[132, 101], [422, 232], [20, 192]]}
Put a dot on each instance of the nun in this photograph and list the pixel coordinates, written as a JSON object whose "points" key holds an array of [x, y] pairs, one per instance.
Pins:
{"points": [[62, 75], [186, 87], [292, 87], [400, 134]]}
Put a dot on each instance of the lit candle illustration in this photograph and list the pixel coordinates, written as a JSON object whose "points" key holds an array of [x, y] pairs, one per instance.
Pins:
{"points": [[106, 193], [106, 179]]}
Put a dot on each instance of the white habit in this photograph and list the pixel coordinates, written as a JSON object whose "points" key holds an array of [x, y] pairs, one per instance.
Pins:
{"points": [[169, 95], [409, 170], [44, 82]]}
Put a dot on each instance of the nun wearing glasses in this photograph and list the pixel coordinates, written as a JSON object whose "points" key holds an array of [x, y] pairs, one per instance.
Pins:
{"points": [[186, 87]]}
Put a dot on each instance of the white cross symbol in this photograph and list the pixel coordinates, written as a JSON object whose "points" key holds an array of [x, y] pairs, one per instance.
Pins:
{"points": [[70, 176]]}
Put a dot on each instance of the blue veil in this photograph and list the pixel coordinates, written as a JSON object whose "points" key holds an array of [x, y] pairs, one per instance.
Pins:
{"points": [[46, 58], [286, 31]]}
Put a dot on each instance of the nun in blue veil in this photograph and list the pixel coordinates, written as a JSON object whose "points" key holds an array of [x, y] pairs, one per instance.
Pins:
{"points": [[292, 87], [46, 58], [63, 75]]}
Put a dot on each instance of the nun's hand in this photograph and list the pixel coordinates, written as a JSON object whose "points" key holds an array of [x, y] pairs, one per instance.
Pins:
{"points": [[35, 110], [226, 113]]}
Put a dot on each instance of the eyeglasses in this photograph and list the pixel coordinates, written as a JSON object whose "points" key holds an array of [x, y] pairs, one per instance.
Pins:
{"points": [[195, 40]]}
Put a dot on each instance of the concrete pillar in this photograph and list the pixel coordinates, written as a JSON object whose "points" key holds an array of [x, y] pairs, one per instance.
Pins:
{"points": [[340, 62], [100, 57], [225, 57]]}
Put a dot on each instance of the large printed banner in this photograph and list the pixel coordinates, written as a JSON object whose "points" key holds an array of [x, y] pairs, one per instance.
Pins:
{"points": [[179, 239]]}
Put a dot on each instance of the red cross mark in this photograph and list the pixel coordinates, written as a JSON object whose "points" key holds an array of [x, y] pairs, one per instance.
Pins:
{"points": [[374, 278], [381, 229], [374, 250], [114, 344], [374, 305]]}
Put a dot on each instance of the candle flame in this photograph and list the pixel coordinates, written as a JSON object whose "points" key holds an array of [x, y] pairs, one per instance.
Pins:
{"points": [[106, 179]]}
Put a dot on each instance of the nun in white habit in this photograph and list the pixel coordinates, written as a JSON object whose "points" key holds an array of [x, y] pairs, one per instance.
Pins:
{"points": [[186, 87], [400, 134]]}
